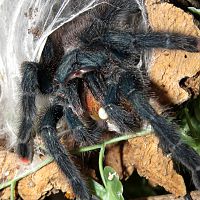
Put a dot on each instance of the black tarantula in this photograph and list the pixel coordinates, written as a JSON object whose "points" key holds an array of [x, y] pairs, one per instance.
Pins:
{"points": [[100, 50]]}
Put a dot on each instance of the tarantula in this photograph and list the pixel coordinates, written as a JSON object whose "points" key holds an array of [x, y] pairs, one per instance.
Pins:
{"points": [[100, 50]]}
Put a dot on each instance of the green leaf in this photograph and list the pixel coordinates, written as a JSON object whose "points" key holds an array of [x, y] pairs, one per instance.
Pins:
{"points": [[194, 10], [114, 186], [97, 189]]}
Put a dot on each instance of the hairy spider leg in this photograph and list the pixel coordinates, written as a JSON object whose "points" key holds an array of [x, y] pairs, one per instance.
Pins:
{"points": [[126, 42], [166, 132], [60, 155], [29, 84], [35, 77], [108, 98], [86, 131]]}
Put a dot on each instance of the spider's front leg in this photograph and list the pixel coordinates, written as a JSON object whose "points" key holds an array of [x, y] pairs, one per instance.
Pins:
{"points": [[35, 78], [86, 131], [126, 42], [169, 137], [29, 85], [60, 155]]}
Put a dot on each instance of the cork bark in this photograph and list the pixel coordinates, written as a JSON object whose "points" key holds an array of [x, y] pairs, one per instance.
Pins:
{"points": [[144, 155], [168, 68], [45, 181]]}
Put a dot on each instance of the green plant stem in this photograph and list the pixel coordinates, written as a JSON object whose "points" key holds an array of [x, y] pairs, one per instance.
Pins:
{"points": [[14, 180], [194, 10], [101, 157], [12, 190], [114, 140]]}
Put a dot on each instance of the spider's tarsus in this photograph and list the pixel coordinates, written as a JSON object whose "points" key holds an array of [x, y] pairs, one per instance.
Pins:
{"points": [[29, 86], [25, 152]]}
